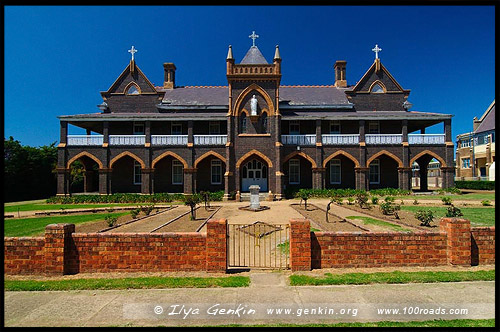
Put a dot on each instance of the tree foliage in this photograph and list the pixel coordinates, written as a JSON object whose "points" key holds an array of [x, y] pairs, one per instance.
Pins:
{"points": [[29, 171]]}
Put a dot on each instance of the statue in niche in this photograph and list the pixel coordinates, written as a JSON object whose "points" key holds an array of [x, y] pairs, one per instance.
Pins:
{"points": [[253, 105]]}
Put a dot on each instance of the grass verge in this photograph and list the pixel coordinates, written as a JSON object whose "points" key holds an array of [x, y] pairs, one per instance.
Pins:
{"points": [[396, 277], [478, 216], [368, 221], [425, 323], [42, 206], [125, 283], [36, 226]]}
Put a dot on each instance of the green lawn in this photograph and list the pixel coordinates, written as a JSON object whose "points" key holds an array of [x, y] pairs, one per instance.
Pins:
{"points": [[478, 216], [462, 197], [36, 226], [126, 283], [368, 220], [425, 323], [42, 206], [396, 277]]}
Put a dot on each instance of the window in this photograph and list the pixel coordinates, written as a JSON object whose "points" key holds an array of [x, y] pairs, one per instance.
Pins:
{"points": [[465, 143], [133, 90], [243, 123], [138, 129], [375, 171], [373, 127], [377, 89], [214, 127], [264, 123], [465, 162], [294, 127], [176, 128], [334, 127], [294, 171], [335, 175], [177, 172], [137, 173], [216, 171]]}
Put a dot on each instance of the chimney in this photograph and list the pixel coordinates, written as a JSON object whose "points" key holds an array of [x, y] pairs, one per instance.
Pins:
{"points": [[169, 81], [340, 80]]}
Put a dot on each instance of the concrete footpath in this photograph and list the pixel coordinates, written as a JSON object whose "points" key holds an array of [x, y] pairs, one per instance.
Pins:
{"points": [[258, 304]]}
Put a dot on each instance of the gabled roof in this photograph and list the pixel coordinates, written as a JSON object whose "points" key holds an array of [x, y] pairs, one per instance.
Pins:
{"points": [[253, 57], [487, 120], [132, 65], [369, 72]]}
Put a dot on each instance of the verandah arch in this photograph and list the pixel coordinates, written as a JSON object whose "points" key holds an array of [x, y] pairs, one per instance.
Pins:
{"points": [[210, 168], [207, 154], [423, 159], [387, 153], [127, 153], [298, 171], [126, 176], [433, 154], [168, 173], [341, 153], [383, 170], [90, 172], [252, 170], [86, 154], [302, 154]]}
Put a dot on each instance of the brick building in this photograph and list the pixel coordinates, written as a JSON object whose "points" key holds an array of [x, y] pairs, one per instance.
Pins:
{"points": [[475, 152], [172, 138]]}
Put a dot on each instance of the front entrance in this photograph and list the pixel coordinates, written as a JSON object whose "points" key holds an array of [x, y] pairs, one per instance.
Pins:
{"points": [[254, 173]]}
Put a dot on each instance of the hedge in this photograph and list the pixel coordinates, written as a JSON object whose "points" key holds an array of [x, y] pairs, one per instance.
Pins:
{"points": [[127, 198], [479, 185], [329, 193]]}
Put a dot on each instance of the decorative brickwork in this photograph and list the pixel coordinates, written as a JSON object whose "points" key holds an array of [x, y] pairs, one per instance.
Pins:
{"points": [[458, 240], [216, 252], [300, 244]]}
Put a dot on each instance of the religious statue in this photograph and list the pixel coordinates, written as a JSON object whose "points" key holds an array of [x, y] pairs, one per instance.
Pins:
{"points": [[253, 105]]}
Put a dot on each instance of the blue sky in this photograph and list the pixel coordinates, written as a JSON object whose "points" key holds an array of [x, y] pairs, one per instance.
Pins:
{"points": [[58, 59]]}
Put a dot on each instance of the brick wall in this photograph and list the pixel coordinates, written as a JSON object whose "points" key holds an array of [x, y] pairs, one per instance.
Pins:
{"points": [[483, 245], [377, 249], [300, 245], [24, 255]]}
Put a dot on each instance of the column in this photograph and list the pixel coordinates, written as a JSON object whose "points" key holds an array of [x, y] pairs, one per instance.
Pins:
{"points": [[189, 174], [458, 238], [88, 178], [216, 246], [361, 172], [147, 132], [63, 177], [279, 154], [405, 171], [300, 245], [63, 133], [146, 174], [105, 181], [228, 175], [105, 133], [57, 248]]}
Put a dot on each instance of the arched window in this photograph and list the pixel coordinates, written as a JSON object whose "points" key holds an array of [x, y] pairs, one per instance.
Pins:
{"points": [[264, 123], [377, 89], [133, 90], [243, 119]]}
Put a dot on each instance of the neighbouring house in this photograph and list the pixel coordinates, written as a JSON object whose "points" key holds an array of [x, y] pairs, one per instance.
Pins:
{"points": [[185, 138], [475, 152]]}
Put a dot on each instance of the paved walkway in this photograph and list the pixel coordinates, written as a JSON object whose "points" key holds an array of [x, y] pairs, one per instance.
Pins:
{"points": [[251, 305]]}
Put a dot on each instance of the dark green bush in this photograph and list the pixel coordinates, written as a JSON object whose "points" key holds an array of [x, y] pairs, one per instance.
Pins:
{"points": [[453, 211], [478, 185], [425, 217]]}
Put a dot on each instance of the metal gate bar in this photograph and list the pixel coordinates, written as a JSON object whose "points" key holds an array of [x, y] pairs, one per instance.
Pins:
{"points": [[258, 245]]}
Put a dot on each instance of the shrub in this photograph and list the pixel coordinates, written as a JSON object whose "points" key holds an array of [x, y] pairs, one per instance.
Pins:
{"points": [[425, 217], [147, 209], [304, 195], [362, 200], [338, 200], [452, 190], [415, 202], [389, 208], [486, 203], [389, 199], [478, 185], [135, 212], [453, 211], [110, 220], [374, 200], [446, 200], [350, 201], [192, 201]]}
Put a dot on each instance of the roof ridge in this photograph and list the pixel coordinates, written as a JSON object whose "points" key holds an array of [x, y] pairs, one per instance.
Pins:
{"points": [[308, 86]]}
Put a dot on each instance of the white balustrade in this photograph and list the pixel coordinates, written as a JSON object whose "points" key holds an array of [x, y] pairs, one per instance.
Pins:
{"points": [[127, 139], [426, 139], [85, 139], [210, 139], [298, 139], [169, 139], [339, 139], [384, 138]]}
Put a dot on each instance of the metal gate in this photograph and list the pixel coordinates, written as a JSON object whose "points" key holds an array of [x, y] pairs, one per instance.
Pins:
{"points": [[258, 245]]}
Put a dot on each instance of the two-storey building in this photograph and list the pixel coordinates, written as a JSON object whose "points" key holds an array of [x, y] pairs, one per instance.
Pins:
{"points": [[172, 138]]}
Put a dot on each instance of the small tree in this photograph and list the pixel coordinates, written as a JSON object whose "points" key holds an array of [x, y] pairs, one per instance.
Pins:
{"points": [[110, 220], [453, 211], [205, 195], [375, 200], [362, 199], [332, 199], [350, 200], [446, 200], [425, 217], [192, 201], [304, 196], [135, 212]]}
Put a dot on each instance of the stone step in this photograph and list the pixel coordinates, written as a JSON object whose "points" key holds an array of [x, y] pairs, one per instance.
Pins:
{"points": [[245, 197]]}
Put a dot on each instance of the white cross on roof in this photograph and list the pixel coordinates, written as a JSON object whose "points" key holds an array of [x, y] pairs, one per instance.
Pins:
{"points": [[132, 50], [376, 50], [253, 36]]}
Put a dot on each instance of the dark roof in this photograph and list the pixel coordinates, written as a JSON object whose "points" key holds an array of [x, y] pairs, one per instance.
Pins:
{"points": [[368, 115], [253, 57], [289, 96], [487, 121]]}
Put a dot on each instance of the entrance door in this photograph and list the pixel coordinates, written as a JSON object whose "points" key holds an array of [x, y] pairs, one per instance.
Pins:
{"points": [[254, 173]]}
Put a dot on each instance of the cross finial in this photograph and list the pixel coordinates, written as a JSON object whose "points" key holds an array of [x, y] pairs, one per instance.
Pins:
{"points": [[376, 50], [132, 50], [253, 36]]}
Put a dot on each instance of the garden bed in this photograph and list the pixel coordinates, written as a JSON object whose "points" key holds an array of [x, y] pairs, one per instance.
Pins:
{"points": [[334, 224]]}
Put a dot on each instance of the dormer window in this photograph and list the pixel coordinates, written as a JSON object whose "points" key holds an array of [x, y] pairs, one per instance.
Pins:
{"points": [[133, 90], [377, 88]]}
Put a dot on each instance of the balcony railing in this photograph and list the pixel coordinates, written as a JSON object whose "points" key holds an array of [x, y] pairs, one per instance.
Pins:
{"points": [[384, 138], [426, 138], [298, 139], [340, 139], [169, 139], [127, 139], [85, 140], [210, 139]]}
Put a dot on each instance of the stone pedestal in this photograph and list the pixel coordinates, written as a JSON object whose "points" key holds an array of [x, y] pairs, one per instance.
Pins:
{"points": [[254, 197]]}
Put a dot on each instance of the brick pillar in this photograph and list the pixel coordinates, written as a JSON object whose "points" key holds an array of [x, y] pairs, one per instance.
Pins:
{"points": [[57, 243], [105, 181], [458, 233], [146, 180], [216, 245], [300, 244]]}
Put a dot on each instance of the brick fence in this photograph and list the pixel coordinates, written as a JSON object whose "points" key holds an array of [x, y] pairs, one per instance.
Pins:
{"points": [[62, 251]]}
